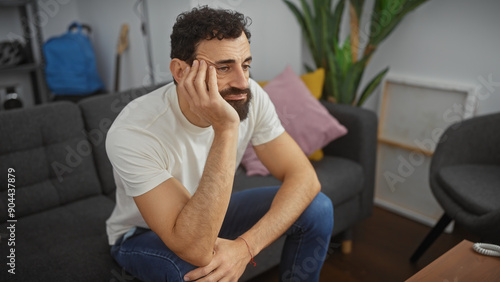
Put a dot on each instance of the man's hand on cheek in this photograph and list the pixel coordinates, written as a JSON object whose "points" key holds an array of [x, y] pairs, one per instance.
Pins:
{"points": [[228, 264], [204, 98]]}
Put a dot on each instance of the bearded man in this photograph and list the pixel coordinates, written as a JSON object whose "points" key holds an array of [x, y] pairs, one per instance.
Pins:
{"points": [[175, 151]]}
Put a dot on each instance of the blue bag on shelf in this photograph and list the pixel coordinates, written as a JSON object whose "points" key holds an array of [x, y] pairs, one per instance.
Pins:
{"points": [[70, 63]]}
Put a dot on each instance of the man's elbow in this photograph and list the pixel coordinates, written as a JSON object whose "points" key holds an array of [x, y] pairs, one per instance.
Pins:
{"points": [[199, 261], [309, 179], [313, 183], [315, 186], [197, 256]]}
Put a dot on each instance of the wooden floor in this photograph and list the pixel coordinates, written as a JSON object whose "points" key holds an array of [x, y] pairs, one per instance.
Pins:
{"points": [[382, 246]]}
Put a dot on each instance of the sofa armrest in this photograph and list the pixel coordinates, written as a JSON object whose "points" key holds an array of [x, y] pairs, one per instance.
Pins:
{"points": [[359, 144]]}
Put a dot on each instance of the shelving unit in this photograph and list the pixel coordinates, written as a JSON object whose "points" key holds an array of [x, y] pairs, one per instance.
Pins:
{"points": [[32, 37]]}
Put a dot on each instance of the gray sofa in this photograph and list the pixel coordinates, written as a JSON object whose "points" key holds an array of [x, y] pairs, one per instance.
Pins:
{"points": [[53, 223]]}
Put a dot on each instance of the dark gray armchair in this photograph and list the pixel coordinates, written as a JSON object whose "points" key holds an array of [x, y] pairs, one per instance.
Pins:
{"points": [[465, 179]]}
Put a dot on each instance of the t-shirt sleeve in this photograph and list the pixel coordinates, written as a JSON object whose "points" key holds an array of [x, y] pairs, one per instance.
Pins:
{"points": [[138, 158], [267, 122]]}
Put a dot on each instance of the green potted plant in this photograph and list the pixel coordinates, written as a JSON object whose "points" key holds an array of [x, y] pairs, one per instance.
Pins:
{"points": [[344, 63]]}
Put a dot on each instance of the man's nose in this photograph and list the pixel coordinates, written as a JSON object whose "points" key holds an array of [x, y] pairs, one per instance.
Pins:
{"points": [[239, 79]]}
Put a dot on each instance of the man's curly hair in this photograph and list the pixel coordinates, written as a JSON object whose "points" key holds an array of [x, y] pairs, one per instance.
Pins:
{"points": [[204, 23]]}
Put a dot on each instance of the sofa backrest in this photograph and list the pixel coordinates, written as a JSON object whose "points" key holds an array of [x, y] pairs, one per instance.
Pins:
{"points": [[99, 112], [50, 159]]}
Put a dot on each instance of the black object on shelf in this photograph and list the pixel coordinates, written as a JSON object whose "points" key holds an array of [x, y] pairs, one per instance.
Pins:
{"points": [[13, 100], [12, 53]]}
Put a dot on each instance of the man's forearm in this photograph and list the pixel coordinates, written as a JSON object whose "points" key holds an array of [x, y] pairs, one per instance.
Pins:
{"points": [[199, 222]]}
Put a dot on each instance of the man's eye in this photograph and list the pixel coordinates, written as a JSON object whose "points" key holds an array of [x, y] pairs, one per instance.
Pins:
{"points": [[222, 69], [246, 67]]}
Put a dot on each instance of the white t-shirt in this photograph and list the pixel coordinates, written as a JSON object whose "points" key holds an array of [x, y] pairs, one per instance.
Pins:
{"points": [[151, 141]]}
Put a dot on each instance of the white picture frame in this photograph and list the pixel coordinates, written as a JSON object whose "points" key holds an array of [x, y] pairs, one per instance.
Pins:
{"points": [[414, 112]]}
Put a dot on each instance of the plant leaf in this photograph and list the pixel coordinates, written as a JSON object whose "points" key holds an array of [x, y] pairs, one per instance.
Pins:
{"points": [[300, 19], [372, 85], [335, 20], [351, 81], [389, 17], [324, 36], [309, 30], [308, 20], [332, 77], [343, 65], [344, 56], [308, 68]]}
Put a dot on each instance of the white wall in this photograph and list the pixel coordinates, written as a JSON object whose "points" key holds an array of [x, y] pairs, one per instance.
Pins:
{"points": [[275, 42], [106, 19], [276, 38], [59, 15], [453, 41], [162, 16]]}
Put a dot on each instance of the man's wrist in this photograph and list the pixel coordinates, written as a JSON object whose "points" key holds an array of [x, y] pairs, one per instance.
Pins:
{"points": [[251, 261], [226, 133], [229, 127]]}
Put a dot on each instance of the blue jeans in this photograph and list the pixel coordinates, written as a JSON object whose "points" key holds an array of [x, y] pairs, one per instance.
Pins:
{"points": [[143, 254]]}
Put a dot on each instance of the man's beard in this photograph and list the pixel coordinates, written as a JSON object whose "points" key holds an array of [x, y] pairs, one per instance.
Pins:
{"points": [[241, 106]]}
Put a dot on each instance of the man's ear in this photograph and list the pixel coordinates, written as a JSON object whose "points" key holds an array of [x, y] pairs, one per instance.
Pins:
{"points": [[177, 68]]}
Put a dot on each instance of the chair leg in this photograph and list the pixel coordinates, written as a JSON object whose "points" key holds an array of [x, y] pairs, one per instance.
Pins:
{"points": [[346, 247], [431, 237]]}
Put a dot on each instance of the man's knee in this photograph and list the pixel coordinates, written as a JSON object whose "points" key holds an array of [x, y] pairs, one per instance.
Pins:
{"points": [[320, 212]]}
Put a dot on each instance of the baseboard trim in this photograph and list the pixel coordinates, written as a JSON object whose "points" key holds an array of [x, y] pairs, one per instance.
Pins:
{"points": [[411, 214]]}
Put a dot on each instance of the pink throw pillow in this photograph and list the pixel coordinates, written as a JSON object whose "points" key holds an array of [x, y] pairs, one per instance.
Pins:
{"points": [[307, 121]]}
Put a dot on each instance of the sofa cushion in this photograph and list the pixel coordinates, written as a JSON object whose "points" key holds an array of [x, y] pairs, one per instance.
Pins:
{"points": [[67, 243], [475, 187], [47, 148], [341, 179], [313, 80], [99, 113], [302, 116]]}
